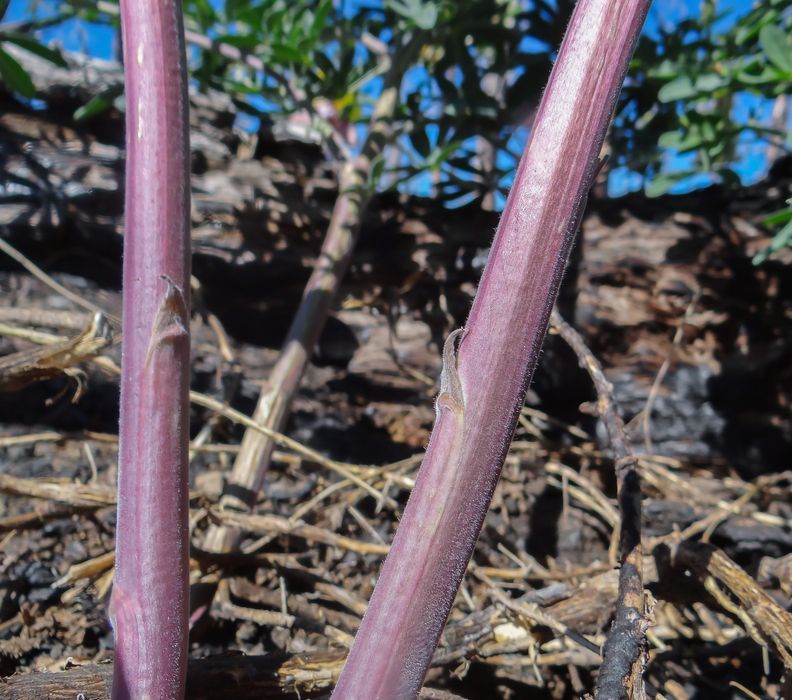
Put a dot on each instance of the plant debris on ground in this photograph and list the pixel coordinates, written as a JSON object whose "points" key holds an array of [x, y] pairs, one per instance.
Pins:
{"points": [[695, 340]]}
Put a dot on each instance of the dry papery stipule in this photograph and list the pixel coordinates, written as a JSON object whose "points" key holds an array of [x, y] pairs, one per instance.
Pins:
{"points": [[489, 364]]}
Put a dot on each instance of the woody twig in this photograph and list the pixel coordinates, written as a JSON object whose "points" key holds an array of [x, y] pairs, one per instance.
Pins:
{"points": [[625, 653]]}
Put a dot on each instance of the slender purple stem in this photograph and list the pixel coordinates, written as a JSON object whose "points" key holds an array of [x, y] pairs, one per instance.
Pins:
{"points": [[149, 606]]}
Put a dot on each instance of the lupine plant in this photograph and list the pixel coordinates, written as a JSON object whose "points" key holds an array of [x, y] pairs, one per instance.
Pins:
{"points": [[487, 366], [150, 602]]}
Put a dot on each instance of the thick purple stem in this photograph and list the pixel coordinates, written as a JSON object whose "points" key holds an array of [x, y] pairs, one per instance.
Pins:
{"points": [[486, 378], [149, 606]]}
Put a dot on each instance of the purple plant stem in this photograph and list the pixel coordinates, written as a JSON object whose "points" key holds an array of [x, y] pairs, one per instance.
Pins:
{"points": [[485, 383], [149, 605]]}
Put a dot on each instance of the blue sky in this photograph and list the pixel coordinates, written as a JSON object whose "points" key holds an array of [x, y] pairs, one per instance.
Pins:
{"points": [[101, 42]]}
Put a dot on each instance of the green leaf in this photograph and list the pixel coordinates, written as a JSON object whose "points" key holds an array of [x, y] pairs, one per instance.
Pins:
{"points": [[680, 89], [441, 155], [99, 103], [754, 23], [274, 23], [680, 141], [662, 183], [776, 46], [35, 47], [782, 239], [202, 11], [667, 70], [424, 15], [15, 76], [240, 41], [779, 216], [322, 13], [233, 87], [708, 133], [769, 74], [710, 82], [283, 54]]}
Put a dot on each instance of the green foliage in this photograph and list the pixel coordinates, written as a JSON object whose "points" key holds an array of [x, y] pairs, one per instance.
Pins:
{"points": [[34, 46], [467, 82], [15, 76], [783, 238], [99, 103], [776, 47], [422, 15], [309, 44], [11, 72], [683, 88], [476, 87]]}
